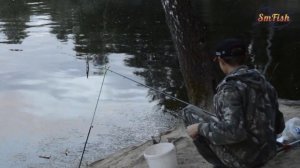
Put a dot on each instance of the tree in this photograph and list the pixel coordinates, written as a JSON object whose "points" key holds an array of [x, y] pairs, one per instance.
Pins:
{"points": [[189, 37]]}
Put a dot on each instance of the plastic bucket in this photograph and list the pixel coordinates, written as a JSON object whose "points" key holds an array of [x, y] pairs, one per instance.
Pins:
{"points": [[162, 155]]}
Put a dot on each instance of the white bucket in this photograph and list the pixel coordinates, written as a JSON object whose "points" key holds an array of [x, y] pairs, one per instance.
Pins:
{"points": [[162, 155]]}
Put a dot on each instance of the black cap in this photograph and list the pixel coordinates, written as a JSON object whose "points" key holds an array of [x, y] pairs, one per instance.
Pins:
{"points": [[230, 48]]}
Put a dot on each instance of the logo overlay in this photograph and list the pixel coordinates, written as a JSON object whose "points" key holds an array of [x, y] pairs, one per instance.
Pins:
{"points": [[275, 17]]}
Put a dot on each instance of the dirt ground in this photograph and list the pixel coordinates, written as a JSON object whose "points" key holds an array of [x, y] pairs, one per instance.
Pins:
{"points": [[188, 157]]}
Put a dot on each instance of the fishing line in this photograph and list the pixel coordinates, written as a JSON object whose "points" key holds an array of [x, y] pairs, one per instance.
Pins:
{"points": [[91, 125], [158, 91]]}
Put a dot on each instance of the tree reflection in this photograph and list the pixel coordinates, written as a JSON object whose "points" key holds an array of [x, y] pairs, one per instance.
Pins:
{"points": [[14, 15], [285, 49], [137, 27], [239, 19], [63, 13], [123, 26]]}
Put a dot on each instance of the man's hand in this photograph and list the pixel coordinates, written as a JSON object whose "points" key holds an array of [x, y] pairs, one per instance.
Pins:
{"points": [[192, 131]]}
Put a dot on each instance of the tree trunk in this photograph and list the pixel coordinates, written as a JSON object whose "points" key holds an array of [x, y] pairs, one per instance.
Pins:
{"points": [[189, 37]]}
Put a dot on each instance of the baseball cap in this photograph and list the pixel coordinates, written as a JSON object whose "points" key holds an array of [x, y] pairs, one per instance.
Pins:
{"points": [[230, 48]]}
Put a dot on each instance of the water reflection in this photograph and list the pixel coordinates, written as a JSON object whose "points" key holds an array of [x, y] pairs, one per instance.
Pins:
{"points": [[14, 15], [136, 28], [45, 46], [273, 44], [46, 99]]}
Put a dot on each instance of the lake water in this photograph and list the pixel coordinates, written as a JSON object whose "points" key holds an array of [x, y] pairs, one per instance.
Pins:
{"points": [[47, 101]]}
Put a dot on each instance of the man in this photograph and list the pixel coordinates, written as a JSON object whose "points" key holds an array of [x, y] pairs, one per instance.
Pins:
{"points": [[243, 133]]}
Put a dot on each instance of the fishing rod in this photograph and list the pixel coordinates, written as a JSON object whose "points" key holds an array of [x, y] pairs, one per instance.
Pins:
{"points": [[91, 125], [288, 146], [156, 90]]}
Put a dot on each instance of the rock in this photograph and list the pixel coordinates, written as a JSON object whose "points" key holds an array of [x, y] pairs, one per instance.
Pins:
{"points": [[187, 155], [288, 159]]}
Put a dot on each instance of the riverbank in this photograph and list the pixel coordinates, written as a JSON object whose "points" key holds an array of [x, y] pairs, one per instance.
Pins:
{"points": [[188, 157]]}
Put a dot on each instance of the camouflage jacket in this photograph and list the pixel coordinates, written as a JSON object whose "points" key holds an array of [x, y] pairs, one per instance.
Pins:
{"points": [[243, 135]]}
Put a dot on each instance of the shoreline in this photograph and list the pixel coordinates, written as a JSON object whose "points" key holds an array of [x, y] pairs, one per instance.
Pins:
{"points": [[187, 156]]}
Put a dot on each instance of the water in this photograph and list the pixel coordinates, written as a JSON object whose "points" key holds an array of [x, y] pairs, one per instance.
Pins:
{"points": [[47, 101]]}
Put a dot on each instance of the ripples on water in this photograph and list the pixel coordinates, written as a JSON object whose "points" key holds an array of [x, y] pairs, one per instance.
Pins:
{"points": [[47, 101]]}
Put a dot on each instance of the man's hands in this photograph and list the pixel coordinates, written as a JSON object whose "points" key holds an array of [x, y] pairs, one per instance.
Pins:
{"points": [[192, 131]]}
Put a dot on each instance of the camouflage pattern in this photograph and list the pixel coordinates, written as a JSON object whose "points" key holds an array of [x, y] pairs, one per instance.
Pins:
{"points": [[243, 132]]}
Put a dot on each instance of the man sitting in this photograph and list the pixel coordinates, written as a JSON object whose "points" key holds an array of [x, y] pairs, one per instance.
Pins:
{"points": [[243, 133]]}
